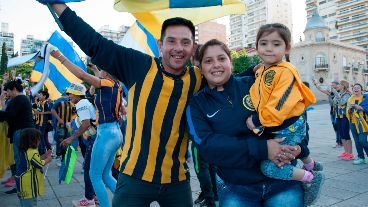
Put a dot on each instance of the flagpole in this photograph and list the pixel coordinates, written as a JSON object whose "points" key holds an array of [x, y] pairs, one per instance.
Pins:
{"points": [[55, 17]]}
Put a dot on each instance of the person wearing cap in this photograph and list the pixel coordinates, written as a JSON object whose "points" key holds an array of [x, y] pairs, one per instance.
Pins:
{"points": [[109, 136], [333, 107], [86, 115], [62, 112], [341, 99]]}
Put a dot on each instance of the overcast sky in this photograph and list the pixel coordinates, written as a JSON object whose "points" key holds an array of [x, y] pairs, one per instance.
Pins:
{"points": [[28, 17]]}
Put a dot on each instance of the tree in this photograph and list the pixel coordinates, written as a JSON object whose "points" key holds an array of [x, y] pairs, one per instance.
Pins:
{"points": [[4, 59], [242, 61]]}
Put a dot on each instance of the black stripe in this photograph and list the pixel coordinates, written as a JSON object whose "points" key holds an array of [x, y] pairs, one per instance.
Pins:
{"points": [[167, 127], [152, 99], [285, 96]]}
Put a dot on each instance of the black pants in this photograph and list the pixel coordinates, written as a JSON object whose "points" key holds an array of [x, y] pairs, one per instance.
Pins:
{"points": [[206, 174], [134, 192]]}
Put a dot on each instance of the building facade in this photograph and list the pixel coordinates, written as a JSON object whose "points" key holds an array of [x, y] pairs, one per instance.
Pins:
{"points": [[8, 38], [325, 60], [114, 35], [210, 30], [244, 28], [30, 45]]}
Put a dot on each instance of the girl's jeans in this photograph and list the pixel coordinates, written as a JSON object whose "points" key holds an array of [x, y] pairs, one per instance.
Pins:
{"points": [[109, 139]]}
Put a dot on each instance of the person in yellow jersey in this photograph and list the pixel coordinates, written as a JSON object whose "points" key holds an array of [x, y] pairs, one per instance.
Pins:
{"points": [[280, 98], [358, 119], [29, 177]]}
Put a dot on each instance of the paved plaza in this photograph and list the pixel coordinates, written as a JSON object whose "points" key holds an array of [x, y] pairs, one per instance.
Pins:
{"points": [[346, 184]]}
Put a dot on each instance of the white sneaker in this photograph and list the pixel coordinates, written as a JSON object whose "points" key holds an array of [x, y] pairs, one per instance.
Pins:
{"points": [[58, 161], [84, 202]]}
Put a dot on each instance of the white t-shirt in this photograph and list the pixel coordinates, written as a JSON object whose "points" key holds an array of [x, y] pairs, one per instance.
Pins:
{"points": [[85, 110]]}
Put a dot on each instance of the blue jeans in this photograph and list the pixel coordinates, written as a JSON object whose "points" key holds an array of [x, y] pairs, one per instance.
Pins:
{"points": [[271, 193], [293, 135], [109, 139], [16, 140], [360, 141], [89, 192]]}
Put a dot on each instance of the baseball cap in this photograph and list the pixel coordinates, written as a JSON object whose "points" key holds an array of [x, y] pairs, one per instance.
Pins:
{"points": [[76, 89]]}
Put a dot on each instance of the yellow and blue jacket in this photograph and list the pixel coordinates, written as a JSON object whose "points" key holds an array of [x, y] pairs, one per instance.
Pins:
{"points": [[29, 177], [358, 118], [279, 94]]}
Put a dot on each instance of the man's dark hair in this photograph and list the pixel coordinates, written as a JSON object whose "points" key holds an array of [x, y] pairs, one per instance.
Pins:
{"points": [[45, 93], [29, 138], [177, 21], [17, 84]]}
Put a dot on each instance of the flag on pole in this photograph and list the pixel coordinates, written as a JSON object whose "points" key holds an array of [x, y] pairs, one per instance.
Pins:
{"points": [[152, 13], [138, 38], [59, 77]]}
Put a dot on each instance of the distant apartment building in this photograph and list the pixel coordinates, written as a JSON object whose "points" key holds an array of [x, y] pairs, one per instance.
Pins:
{"points": [[8, 38], [30, 45], [210, 30], [244, 28], [114, 35]]}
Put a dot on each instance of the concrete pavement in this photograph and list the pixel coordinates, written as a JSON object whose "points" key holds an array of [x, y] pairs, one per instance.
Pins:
{"points": [[346, 184]]}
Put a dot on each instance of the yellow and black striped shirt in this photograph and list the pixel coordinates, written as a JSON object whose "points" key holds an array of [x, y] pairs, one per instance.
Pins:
{"points": [[156, 139]]}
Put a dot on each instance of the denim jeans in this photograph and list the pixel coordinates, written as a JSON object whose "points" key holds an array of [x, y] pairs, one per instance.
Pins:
{"points": [[131, 191], [16, 141], [293, 135], [271, 193], [89, 192], [360, 141], [29, 202], [109, 139]]}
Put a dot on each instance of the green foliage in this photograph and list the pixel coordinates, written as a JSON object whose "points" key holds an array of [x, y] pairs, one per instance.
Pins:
{"points": [[4, 59], [25, 69], [242, 61]]}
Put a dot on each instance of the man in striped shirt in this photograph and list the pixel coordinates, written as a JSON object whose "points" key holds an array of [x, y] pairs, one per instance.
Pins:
{"points": [[153, 158]]}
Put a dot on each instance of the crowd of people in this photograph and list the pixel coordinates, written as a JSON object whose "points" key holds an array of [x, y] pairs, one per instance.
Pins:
{"points": [[247, 131]]}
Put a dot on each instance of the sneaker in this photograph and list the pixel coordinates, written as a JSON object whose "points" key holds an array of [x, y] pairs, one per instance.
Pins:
{"points": [[358, 161], [348, 157], [84, 202], [200, 198], [343, 154], [312, 190], [318, 166], [12, 191], [7, 180], [10, 184], [58, 161]]}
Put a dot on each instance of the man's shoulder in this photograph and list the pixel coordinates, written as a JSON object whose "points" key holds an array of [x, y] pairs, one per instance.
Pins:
{"points": [[83, 104]]}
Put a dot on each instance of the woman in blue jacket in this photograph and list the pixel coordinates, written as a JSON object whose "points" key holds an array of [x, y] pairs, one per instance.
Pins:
{"points": [[216, 118]]}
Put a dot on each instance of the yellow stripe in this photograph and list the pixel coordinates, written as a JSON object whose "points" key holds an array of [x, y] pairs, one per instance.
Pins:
{"points": [[174, 135], [51, 88], [64, 71], [198, 75], [160, 110], [128, 132], [183, 150], [140, 116], [118, 102], [140, 37]]}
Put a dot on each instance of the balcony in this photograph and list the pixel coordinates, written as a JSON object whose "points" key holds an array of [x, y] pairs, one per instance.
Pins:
{"points": [[356, 26], [348, 3], [351, 11], [353, 36], [321, 67], [360, 42], [355, 69], [346, 69]]}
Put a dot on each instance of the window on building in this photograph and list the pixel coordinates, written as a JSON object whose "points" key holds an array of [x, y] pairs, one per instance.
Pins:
{"points": [[320, 37], [321, 60]]}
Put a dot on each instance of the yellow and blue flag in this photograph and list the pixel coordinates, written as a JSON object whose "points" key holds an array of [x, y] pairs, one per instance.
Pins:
{"points": [[138, 38], [152, 13], [59, 77]]}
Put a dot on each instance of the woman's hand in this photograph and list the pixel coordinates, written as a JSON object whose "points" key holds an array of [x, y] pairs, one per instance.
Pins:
{"points": [[250, 123], [289, 153], [281, 154]]}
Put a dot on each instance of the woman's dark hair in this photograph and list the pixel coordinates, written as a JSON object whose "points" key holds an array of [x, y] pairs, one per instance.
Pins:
{"points": [[213, 42], [358, 84], [196, 53], [14, 84], [29, 138], [177, 21], [281, 29]]}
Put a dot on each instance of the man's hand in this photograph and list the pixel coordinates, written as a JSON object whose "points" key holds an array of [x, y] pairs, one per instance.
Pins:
{"points": [[66, 142]]}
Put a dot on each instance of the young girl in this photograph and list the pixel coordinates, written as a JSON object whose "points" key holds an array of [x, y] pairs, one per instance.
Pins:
{"points": [[280, 98], [29, 177]]}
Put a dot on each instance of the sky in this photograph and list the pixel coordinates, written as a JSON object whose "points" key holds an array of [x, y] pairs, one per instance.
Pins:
{"points": [[28, 17]]}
